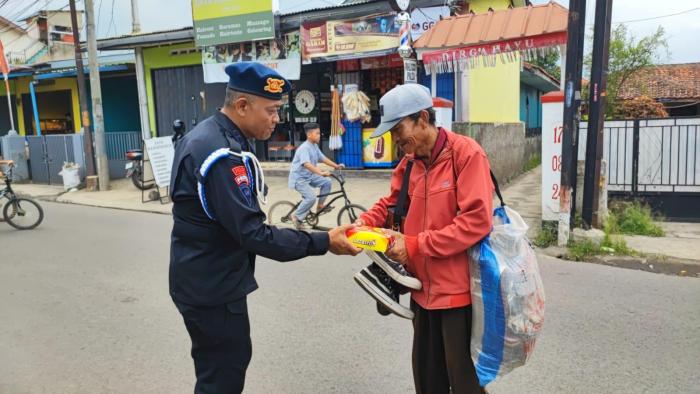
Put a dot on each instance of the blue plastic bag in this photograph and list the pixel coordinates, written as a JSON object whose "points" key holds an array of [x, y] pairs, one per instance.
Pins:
{"points": [[507, 298]]}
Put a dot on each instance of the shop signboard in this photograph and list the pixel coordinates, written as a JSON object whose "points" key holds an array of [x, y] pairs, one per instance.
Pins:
{"points": [[281, 54], [378, 152], [230, 21], [410, 71], [161, 153], [423, 19], [350, 38]]}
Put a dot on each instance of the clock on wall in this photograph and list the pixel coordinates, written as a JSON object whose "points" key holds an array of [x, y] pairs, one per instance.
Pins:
{"points": [[399, 5], [305, 102]]}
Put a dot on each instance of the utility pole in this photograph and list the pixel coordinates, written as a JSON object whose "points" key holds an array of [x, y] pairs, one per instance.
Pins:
{"points": [[572, 101], [596, 116], [140, 74], [82, 91], [96, 89]]}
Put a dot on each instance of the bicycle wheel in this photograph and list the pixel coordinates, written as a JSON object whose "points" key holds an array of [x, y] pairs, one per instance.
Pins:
{"points": [[349, 213], [23, 213], [280, 214]]}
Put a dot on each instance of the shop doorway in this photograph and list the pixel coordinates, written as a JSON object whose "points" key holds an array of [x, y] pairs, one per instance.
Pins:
{"points": [[55, 113]]}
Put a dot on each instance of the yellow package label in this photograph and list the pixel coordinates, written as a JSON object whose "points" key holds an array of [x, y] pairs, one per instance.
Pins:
{"points": [[369, 238]]}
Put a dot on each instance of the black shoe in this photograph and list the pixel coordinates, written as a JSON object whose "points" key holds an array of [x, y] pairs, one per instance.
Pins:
{"points": [[395, 270], [383, 289]]}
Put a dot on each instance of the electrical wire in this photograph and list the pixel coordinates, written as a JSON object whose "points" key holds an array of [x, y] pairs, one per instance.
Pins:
{"points": [[658, 17]]}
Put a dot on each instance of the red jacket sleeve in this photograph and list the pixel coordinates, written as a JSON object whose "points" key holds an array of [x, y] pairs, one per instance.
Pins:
{"points": [[474, 222], [376, 216]]}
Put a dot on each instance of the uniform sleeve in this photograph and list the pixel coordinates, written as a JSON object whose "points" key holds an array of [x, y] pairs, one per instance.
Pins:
{"points": [[231, 198]]}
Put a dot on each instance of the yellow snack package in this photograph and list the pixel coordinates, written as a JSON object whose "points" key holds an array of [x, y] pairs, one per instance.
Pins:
{"points": [[371, 238]]}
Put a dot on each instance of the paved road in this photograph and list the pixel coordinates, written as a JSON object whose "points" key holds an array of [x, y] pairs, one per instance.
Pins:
{"points": [[85, 309]]}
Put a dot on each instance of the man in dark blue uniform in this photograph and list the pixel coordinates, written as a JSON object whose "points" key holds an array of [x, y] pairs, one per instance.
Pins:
{"points": [[219, 227]]}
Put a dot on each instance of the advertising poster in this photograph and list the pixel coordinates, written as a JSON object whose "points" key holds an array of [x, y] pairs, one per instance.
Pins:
{"points": [[351, 37], [282, 55]]}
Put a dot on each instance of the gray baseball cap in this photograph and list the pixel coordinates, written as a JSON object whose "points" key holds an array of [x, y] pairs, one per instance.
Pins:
{"points": [[399, 102]]}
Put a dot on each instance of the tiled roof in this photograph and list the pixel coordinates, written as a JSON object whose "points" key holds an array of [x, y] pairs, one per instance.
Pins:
{"points": [[664, 82], [513, 23]]}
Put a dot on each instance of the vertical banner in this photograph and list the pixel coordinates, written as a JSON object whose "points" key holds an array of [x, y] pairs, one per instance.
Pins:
{"points": [[230, 21], [283, 55], [410, 71], [330, 40], [552, 133]]}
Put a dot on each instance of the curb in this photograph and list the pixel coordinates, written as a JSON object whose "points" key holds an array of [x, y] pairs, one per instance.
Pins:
{"points": [[658, 264], [54, 199]]}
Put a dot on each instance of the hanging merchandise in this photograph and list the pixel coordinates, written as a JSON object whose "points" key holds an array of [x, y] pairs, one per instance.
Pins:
{"points": [[335, 142], [356, 107]]}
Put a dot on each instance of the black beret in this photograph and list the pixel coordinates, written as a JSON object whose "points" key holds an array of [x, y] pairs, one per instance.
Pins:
{"points": [[257, 79]]}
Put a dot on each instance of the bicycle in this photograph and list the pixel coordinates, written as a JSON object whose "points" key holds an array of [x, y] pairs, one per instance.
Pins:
{"points": [[280, 213], [17, 209]]}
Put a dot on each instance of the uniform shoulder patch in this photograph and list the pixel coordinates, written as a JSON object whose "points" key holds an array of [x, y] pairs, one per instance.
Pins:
{"points": [[274, 85], [240, 175]]}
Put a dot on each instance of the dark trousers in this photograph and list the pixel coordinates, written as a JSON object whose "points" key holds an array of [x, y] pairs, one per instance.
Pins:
{"points": [[221, 345], [441, 357]]}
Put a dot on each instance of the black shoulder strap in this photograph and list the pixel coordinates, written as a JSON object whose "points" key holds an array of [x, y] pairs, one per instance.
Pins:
{"points": [[400, 209], [498, 190]]}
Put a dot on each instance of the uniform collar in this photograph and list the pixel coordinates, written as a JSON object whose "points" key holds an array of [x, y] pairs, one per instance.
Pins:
{"points": [[232, 130]]}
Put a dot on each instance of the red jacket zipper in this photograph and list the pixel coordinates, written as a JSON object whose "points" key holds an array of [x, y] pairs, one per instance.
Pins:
{"points": [[425, 217]]}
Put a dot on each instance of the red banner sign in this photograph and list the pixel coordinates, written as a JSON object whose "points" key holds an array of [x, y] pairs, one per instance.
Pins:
{"points": [[495, 48]]}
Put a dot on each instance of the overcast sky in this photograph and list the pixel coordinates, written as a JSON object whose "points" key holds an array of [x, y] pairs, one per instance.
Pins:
{"points": [[114, 17]]}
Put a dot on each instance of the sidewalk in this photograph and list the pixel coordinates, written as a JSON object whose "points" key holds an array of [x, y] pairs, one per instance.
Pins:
{"points": [[364, 189]]}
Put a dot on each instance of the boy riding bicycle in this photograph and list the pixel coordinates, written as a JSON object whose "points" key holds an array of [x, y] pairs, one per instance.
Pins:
{"points": [[305, 175]]}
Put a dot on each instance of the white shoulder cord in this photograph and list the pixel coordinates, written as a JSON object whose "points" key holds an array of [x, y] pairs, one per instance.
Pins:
{"points": [[255, 173], [258, 175]]}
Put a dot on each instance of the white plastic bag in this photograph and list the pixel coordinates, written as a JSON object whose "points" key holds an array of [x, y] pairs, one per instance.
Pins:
{"points": [[507, 298], [71, 175]]}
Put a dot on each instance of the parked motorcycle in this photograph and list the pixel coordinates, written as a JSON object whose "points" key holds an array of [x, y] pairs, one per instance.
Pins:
{"points": [[134, 169]]}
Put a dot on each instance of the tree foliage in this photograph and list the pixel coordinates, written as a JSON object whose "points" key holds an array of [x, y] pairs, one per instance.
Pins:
{"points": [[643, 107], [550, 63], [628, 55]]}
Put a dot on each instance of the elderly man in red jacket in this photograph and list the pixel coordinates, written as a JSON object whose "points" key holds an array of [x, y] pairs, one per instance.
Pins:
{"points": [[449, 210]]}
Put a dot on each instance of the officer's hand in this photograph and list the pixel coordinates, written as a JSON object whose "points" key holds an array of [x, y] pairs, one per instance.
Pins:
{"points": [[339, 242], [325, 173], [397, 250], [340, 166]]}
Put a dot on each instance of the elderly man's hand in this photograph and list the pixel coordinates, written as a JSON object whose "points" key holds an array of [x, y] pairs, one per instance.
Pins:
{"points": [[397, 250]]}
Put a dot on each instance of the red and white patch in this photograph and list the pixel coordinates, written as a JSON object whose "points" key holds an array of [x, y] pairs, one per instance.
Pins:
{"points": [[240, 175]]}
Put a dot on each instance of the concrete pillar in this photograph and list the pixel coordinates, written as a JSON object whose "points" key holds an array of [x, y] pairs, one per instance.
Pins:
{"points": [[462, 96]]}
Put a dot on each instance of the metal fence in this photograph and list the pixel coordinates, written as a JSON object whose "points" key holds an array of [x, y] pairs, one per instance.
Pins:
{"points": [[47, 153], [650, 155], [654, 160], [117, 145]]}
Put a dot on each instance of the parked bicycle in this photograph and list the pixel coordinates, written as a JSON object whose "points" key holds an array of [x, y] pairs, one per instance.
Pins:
{"points": [[280, 213], [20, 213]]}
